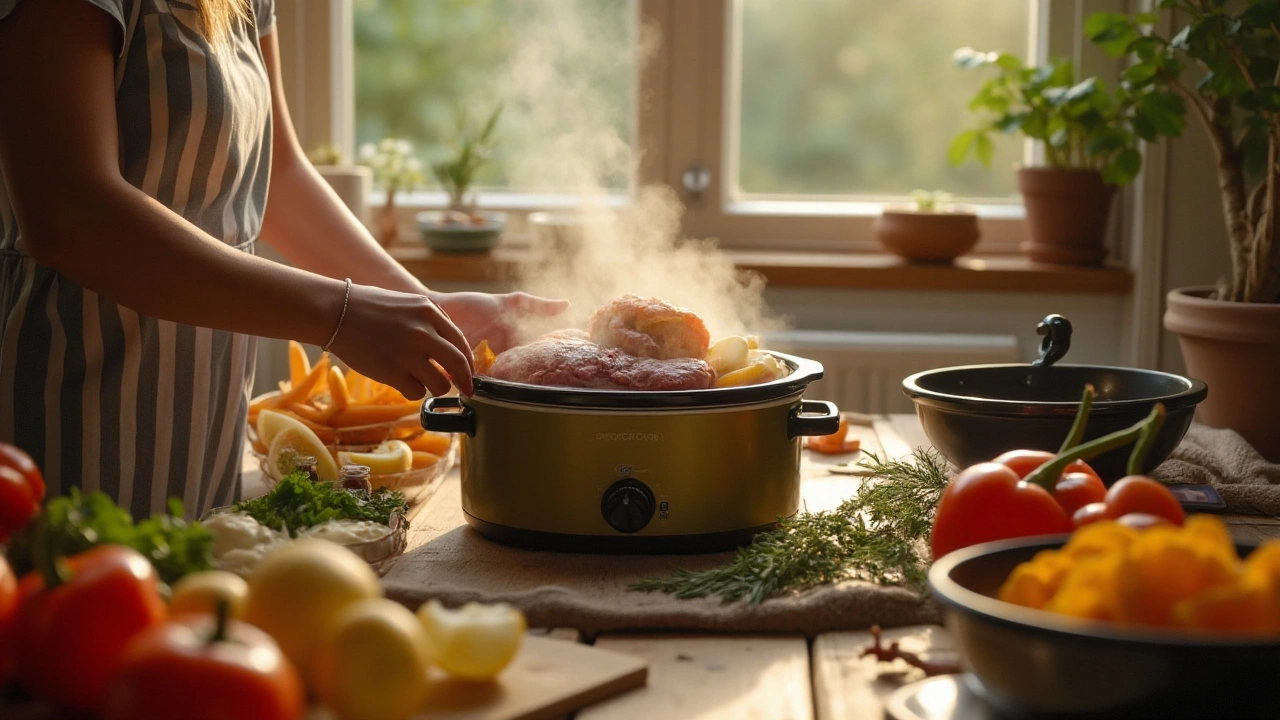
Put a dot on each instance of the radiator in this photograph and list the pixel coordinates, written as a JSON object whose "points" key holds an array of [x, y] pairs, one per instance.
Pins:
{"points": [[863, 371]]}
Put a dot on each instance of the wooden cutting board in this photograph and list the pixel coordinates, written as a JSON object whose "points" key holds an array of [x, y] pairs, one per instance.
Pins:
{"points": [[549, 678]]}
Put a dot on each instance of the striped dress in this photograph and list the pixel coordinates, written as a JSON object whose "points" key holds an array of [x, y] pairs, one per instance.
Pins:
{"points": [[105, 398]]}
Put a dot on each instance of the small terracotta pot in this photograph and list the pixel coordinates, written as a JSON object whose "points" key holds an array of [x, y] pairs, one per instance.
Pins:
{"points": [[1233, 347], [1067, 214], [388, 222], [927, 236]]}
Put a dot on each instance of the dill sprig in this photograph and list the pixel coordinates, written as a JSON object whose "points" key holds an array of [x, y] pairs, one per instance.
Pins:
{"points": [[881, 534]]}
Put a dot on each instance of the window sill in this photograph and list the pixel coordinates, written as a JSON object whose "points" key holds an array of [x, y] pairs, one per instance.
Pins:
{"points": [[991, 273]]}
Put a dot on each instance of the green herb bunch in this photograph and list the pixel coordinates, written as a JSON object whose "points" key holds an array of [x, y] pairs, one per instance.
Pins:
{"points": [[298, 502], [1081, 123], [76, 522], [881, 534], [471, 149]]}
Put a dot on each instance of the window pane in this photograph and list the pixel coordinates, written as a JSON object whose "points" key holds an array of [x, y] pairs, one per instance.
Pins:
{"points": [[859, 97], [556, 67]]}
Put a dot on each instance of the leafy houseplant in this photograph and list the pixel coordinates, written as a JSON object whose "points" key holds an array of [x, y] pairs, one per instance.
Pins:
{"points": [[1090, 137], [933, 229], [395, 168], [351, 182], [461, 227], [1230, 335]]}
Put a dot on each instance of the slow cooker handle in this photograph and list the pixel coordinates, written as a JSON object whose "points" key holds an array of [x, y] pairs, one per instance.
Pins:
{"points": [[463, 421], [813, 417]]}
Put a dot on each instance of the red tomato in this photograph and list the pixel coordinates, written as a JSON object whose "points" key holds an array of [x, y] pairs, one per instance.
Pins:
{"points": [[204, 668], [1138, 494], [1023, 462], [21, 490], [68, 639], [988, 502], [1077, 489], [1091, 513], [8, 609]]}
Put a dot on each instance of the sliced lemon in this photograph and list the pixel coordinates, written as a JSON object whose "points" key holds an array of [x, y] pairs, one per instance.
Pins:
{"points": [[272, 422], [475, 641], [729, 354], [392, 456], [291, 442]]}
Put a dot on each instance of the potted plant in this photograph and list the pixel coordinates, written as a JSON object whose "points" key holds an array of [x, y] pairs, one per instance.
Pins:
{"points": [[1229, 334], [1090, 148], [395, 168], [460, 227], [351, 182], [932, 229]]}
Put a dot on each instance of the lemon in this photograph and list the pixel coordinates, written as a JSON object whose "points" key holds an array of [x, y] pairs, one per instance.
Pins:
{"points": [[292, 442], [199, 593], [372, 662], [392, 456], [728, 355], [475, 641], [297, 590], [272, 422]]}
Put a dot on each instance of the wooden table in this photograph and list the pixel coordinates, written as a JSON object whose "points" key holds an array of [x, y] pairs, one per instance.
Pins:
{"points": [[713, 677]]}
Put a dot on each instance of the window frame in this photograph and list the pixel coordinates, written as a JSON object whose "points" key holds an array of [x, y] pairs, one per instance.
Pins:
{"points": [[683, 120]]}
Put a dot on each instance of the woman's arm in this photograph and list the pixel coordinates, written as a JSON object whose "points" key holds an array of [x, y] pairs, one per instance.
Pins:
{"points": [[59, 155], [309, 225]]}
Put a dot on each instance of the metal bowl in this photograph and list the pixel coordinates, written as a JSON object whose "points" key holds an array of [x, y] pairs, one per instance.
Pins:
{"points": [[1031, 662], [973, 413]]}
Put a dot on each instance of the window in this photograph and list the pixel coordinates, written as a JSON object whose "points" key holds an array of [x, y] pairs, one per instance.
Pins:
{"points": [[858, 98], [799, 118], [567, 93]]}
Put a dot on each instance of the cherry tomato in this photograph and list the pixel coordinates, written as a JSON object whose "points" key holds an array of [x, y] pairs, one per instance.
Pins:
{"points": [[1138, 494], [988, 502], [21, 490], [1091, 513], [1023, 462], [1077, 489]]}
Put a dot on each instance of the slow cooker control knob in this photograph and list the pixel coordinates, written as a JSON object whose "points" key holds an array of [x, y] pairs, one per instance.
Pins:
{"points": [[627, 506]]}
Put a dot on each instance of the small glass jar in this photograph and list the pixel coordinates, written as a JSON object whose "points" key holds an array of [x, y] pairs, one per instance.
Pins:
{"points": [[355, 477]]}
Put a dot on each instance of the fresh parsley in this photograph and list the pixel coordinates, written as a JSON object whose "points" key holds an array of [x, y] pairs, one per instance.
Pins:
{"points": [[298, 502]]}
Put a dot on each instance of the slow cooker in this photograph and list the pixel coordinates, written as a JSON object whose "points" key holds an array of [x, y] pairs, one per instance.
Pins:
{"points": [[632, 471]]}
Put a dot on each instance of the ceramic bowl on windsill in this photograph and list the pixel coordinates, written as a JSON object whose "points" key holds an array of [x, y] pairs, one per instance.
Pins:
{"points": [[461, 237], [973, 413], [1034, 663]]}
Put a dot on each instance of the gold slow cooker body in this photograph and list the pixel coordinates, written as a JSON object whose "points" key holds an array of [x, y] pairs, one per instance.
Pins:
{"points": [[649, 478]]}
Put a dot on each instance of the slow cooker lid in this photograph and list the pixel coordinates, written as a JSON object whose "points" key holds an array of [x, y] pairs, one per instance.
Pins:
{"points": [[803, 372]]}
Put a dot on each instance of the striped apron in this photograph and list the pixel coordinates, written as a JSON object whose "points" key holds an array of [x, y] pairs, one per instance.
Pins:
{"points": [[105, 398]]}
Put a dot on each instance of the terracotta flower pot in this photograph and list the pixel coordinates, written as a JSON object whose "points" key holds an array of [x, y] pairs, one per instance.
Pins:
{"points": [[1067, 214], [1232, 346], [927, 236]]}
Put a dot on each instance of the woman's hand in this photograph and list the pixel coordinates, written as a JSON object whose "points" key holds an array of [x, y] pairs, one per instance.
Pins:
{"points": [[404, 340], [482, 316]]}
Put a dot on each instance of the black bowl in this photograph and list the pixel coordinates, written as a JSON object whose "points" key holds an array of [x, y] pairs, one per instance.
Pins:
{"points": [[1035, 663], [973, 413]]}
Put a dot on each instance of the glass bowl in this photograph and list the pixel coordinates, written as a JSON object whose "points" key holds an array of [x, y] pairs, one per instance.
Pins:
{"points": [[379, 552]]}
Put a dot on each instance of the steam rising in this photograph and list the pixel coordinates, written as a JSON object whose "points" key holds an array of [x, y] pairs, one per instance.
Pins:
{"points": [[637, 248]]}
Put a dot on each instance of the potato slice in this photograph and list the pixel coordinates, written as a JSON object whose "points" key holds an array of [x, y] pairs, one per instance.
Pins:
{"points": [[728, 354]]}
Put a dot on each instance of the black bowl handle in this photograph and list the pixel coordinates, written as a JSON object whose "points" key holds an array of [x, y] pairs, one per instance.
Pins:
{"points": [[1055, 331], [813, 417], [463, 421]]}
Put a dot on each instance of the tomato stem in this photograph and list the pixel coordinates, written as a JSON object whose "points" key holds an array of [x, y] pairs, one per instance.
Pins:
{"points": [[1082, 419], [1146, 440], [1047, 475], [221, 618]]}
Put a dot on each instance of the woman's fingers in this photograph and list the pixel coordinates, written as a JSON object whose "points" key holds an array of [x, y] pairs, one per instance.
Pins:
{"points": [[410, 387], [433, 378], [533, 305], [449, 332], [454, 362]]}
